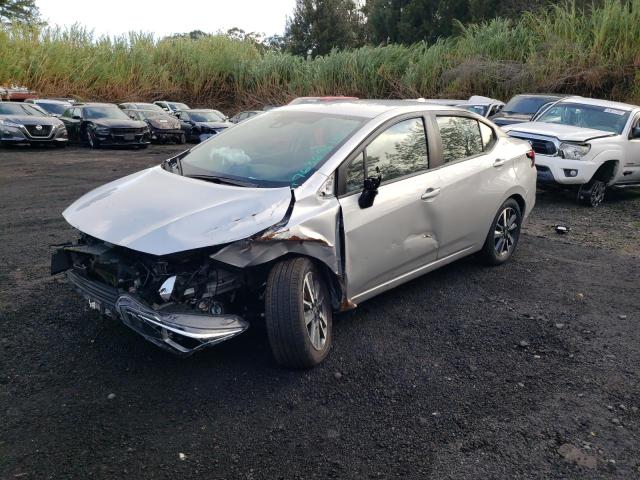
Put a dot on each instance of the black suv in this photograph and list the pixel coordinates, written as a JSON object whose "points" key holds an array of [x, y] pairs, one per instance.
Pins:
{"points": [[522, 108]]}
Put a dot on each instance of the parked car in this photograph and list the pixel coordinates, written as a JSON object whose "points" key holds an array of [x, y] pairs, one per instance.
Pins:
{"points": [[239, 117], [163, 127], [303, 100], [104, 124], [200, 124], [22, 123], [522, 108], [52, 107], [299, 213], [483, 106], [585, 143], [139, 106], [171, 107]]}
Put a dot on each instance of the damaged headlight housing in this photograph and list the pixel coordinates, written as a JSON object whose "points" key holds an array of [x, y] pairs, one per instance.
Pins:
{"points": [[573, 151]]}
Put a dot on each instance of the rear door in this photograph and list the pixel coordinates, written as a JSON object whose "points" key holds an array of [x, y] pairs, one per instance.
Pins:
{"points": [[395, 235], [474, 179], [72, 124]]}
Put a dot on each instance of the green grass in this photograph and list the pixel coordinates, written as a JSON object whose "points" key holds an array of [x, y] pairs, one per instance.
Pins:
{"points": [[596, 53]]}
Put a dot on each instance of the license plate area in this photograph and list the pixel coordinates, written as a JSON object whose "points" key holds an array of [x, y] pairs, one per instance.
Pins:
{"points": [[129, 137]]}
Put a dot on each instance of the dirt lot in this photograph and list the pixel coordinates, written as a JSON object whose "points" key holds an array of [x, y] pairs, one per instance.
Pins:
{"points": [[526, 371]]}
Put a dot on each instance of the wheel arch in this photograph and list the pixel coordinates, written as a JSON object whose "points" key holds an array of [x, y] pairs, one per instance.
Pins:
{"points": [[607, 171]]}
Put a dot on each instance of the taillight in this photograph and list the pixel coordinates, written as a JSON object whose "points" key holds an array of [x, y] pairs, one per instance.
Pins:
{"points": [[531, 155]]}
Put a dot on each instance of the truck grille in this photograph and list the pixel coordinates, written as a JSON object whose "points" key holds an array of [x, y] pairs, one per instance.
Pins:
{"points": [[43, 131], [543, 147]]}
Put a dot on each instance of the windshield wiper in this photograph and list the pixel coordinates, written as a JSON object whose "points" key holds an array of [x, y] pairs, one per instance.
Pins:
{"points": [[224, 180]]}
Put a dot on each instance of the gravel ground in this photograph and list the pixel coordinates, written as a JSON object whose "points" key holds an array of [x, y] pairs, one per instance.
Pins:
{"points": [[525, 371]]}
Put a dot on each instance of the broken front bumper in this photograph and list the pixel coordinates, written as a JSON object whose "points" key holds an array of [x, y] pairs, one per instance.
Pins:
{"points": [[180, 333]]}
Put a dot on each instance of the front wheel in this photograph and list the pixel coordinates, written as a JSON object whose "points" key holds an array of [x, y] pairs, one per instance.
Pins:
{"points": [[503, 236], [298, 314], [592, 194], [92, 141]]}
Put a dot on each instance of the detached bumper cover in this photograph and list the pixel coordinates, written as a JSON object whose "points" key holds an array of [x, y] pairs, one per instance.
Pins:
{"points": [[179, 333]]}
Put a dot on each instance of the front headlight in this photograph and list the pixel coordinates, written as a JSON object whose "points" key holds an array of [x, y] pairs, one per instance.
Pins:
{"points": [[9, 124], [573, 151]]}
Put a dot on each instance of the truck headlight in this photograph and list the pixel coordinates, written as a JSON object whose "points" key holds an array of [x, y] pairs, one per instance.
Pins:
{"points": [[573, 151]]}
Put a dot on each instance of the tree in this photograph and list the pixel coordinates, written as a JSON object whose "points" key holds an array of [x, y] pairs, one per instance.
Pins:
{"points": [[318, 26], [19, 11]]}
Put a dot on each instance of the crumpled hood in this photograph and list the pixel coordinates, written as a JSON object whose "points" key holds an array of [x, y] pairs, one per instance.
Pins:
{"points": [[561, 132], [158, 212]]}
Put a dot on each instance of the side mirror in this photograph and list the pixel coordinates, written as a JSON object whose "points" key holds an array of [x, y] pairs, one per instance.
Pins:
{"points": [[370, 190], [635, 132]]}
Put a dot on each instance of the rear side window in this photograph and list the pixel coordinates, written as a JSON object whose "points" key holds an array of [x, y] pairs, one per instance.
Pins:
{"points": [[488, 136], [398, 151], [461, 138]]}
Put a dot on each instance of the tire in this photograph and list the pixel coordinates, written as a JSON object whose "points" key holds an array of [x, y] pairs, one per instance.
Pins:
{"points": [[298, 314], [592, 194], [501, 242], [90, 138]]}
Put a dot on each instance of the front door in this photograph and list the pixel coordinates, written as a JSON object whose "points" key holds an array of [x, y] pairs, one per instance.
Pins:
{"points": [[395, 235], [631, 163]]}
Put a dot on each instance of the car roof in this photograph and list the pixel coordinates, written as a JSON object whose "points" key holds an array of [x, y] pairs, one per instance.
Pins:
{"points": [[599, 103], [50, 100], [366, 108]]}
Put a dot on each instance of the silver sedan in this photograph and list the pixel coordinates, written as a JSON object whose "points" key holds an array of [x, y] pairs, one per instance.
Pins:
{"points": [[294, 215]]}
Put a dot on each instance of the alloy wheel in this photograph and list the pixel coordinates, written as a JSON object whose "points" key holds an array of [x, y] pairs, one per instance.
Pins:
{"points": [[315, 311], [597, 193], [506, 231]]}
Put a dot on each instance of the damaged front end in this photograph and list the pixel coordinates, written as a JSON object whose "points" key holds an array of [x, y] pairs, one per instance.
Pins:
{"points": [[182, 302]]}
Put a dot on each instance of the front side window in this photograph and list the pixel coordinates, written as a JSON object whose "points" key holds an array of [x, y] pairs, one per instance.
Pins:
{"points": [[611, 120], [398, 151], [355, 174], [274, 150], [461, 138]]}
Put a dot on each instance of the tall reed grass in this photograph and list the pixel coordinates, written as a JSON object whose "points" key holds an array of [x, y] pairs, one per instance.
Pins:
{"points": [[561, 49]]}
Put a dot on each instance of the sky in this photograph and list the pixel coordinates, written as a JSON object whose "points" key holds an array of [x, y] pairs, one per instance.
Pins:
{"points": [[165, 17]]}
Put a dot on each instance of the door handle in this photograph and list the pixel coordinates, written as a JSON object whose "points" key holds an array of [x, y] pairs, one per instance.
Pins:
{"points": [[430, 193], [499, 162]]}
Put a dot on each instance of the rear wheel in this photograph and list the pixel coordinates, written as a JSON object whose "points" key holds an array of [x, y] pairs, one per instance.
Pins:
{"points": [[298, 314], [503, 236], [592, 194]]}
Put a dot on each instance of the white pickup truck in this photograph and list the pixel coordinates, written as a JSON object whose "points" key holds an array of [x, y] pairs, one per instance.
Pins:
{"points": [[583, 142]]}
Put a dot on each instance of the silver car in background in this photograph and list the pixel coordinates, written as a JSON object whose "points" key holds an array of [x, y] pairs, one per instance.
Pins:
{"points": [[293, 215]]}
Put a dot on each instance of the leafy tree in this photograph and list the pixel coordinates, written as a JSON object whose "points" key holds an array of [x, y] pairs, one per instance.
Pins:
{"points": [[19, 11], [318, 26]]}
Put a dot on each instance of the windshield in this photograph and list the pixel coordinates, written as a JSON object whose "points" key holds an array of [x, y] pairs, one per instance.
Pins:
{"points": [[148, 106], [211, 116], [96, 113], [18, 109], [586, 116], [57, 108], [524, 104], [479, 109], [273, 150], [177, 106]]}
